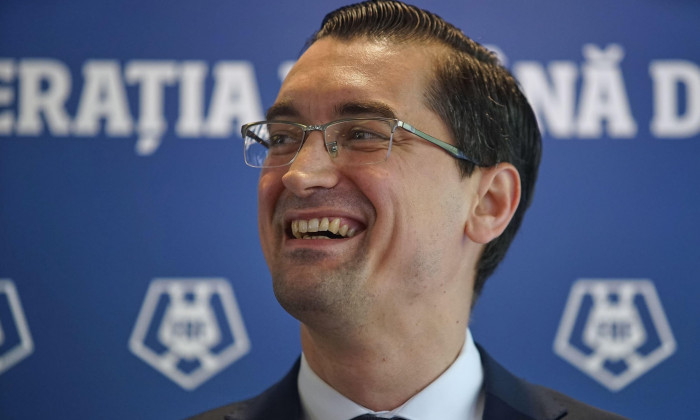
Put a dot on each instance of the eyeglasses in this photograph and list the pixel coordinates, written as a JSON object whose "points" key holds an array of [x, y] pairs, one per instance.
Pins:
{"points": [[352, 141]]}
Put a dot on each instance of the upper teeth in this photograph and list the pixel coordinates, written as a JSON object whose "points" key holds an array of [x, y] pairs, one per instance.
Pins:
{"points": [[301, 228]]}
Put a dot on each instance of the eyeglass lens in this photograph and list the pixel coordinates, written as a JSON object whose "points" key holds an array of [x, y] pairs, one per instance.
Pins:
{"points": [[349, 142]]}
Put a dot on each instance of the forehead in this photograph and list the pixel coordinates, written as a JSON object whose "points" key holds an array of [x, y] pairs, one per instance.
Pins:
{"points": [[333, 73]]}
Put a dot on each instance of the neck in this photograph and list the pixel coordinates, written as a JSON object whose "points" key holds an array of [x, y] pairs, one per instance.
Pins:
{"points": [[381, 369]]}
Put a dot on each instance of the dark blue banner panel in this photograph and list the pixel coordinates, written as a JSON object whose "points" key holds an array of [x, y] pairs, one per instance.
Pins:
{"points": [[132, 284]]}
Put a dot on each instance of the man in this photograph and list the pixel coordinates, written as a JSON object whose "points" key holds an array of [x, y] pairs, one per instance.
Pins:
{"points": [[397, 163]]}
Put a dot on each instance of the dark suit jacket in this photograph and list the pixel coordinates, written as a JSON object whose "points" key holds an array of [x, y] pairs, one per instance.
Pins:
{"points": [[507, 398]]}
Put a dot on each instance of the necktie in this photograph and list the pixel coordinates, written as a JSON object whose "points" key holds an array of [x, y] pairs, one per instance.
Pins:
{"points": [[372, 416]]}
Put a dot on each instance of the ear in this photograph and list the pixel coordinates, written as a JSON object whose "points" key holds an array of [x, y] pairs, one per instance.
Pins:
{"points": [[498, 195]]}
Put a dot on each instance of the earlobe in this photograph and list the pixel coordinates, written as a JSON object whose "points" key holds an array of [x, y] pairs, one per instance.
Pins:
{"points": [[498, 195]]}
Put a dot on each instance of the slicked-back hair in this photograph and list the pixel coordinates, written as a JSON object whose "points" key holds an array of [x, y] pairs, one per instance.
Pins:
{"points": [[474, 95]]}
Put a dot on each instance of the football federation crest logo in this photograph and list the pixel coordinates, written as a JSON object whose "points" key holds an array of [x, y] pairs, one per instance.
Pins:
{"points": [[614, 330], [15, 339], [189, 329]]}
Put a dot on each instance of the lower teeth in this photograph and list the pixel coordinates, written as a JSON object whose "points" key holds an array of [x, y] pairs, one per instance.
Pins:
{"points": [[315, 237]]}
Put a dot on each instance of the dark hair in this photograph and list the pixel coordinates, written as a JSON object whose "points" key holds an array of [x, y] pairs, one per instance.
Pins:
{"points": [[472, 92]]}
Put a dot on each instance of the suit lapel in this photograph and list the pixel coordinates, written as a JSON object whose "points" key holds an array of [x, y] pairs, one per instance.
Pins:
{"points": [[508, 397]]}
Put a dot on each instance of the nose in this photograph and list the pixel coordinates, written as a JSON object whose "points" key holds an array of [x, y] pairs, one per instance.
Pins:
{"points": [[312, 168]]}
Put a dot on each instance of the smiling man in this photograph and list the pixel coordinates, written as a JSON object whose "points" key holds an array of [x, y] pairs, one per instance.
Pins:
{"points": [[397, 163]]}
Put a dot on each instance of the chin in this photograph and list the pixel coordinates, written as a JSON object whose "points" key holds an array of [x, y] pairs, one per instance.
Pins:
{"points": [[315, 299]]}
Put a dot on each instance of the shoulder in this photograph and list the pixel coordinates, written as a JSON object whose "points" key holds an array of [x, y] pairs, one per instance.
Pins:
{"points": [[238, 410], [280, 401], [513, 398], [575, 409]]}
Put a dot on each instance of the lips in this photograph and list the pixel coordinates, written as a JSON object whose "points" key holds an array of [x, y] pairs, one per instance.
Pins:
{"points": [[323, 228]]}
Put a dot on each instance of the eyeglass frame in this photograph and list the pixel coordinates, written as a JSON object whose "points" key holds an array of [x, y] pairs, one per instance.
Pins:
{"points": [[452, 150]]}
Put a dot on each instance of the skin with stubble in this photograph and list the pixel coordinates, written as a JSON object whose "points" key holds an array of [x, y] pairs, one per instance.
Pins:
{"points": [[383, 310]]}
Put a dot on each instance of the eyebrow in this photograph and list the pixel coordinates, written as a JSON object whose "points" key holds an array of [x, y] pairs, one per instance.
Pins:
{"points": [[281, 109], [348, 109]]}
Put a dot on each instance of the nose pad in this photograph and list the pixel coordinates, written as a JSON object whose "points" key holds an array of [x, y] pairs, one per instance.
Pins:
{"points": [[332, 149]]}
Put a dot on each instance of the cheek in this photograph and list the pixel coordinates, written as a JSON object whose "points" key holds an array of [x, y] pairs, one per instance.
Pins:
{"points": [[377, 184], [433, 204], [269, 190]]}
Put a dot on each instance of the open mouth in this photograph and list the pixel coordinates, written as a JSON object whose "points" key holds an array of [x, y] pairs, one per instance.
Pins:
{"points": [[321, 228]]}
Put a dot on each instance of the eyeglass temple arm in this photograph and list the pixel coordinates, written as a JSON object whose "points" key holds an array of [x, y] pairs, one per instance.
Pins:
{"points": [[452, 150], [249, 133]]}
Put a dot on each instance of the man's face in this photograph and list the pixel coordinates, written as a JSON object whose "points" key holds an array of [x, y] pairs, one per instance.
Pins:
{"points": [[406, 215]]}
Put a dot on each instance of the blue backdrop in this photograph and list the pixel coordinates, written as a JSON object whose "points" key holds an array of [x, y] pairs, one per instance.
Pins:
{"points": [[131, 280]]}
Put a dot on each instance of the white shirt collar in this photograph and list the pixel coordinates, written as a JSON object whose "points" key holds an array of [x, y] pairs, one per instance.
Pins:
{"points": [[454, 395]]}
